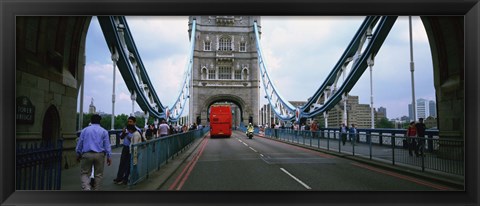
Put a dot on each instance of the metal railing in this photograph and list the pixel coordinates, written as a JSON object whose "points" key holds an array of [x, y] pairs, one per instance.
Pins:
{"points": [[148, 157], [385, 145], [39, 166], [115, 140]]}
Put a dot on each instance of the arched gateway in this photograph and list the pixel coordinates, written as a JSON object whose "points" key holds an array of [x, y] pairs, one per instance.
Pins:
{"points": [[225, 66]]}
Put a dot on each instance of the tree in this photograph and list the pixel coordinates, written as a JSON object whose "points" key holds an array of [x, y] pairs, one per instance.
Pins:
{"points": [[120, 121], [384, 123]]}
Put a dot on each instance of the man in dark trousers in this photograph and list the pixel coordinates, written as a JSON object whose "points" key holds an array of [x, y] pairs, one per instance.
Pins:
{"points": [[343, 133], [420, 126], [124, 167]]}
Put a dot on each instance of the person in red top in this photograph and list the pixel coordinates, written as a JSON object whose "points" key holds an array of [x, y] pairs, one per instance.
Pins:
{"points": [[314, 128], [411, 135]]}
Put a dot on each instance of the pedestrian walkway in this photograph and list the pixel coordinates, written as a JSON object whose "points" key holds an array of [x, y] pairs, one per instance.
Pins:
{"points": [[71, 177], [382, 156]]}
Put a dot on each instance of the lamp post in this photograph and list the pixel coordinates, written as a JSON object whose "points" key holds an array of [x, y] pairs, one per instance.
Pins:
{"points": [[370, 63], [133, 98], [412, 68], [114, 59]]}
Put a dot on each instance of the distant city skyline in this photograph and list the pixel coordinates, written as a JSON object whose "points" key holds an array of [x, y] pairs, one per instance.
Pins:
{"points": [[314, 46], [425, 108]]}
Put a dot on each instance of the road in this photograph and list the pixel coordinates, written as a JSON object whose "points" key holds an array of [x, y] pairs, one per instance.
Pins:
{"points": [[259, 164]]}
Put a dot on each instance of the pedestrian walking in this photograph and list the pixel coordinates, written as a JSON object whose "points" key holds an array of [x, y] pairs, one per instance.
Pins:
{"points": [[163, 129], [411, 135], [352, 134], [314, 128], [150, 132], [420, 127], [124, 167], [343, 133], [184, 128], [92, 148]]}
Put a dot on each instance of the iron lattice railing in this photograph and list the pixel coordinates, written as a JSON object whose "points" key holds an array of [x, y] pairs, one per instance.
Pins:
{"points": [[439, 154], [148, 157], [38, 166]]}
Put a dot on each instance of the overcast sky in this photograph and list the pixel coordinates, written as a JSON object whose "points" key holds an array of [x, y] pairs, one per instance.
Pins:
{"points": [[299, 51]]}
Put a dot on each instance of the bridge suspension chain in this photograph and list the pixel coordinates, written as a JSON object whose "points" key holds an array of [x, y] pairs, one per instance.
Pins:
{"points": [[351, 65], [282, 109], [178, 107], [121, 43]]}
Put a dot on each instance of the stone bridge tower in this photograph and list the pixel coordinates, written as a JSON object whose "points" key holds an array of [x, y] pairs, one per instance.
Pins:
{"points": [[225, 67]]}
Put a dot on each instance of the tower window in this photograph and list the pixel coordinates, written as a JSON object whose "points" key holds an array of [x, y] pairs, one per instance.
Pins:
{"points": [[225, 44], [225, 73], [207, 46], [211, 74], [238, 74], [243, 46]]}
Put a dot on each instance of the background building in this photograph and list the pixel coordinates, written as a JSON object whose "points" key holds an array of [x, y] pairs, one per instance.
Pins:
{"points": [[382, 111], [421, 108], [424, 109], [92, 109], [432, 108], [410, 112], [358, 114]]}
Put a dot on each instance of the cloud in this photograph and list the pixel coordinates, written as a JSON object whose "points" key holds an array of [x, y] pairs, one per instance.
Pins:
{"points": [[167, 77], [418, 30], [124, 97], [159, 33]]}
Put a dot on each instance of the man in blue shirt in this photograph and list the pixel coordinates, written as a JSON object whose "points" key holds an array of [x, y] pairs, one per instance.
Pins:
{"points": [[124, 167], [92, 147], [352, 134]]}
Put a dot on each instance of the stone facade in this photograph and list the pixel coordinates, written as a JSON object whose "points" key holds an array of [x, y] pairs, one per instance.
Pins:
{"points": [[225, 66], [50, 62]]}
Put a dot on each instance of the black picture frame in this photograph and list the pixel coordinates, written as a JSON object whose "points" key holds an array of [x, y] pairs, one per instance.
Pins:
{"points": [[9, 9]]}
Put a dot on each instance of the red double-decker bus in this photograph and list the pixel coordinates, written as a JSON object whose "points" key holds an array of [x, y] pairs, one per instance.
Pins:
{"points": [[220, 121]]}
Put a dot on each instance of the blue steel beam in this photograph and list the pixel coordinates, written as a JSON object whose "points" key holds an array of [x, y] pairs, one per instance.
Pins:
{"points": [[177, 109], [352, 48], [133, 48], [383, 26], [109, 28], [143, 87], [359, 67], [283, 109]]}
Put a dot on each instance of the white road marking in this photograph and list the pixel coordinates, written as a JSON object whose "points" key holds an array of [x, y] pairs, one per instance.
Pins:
{"points": [[296, 179], [261, 155], [245, 144], [252, 149]]}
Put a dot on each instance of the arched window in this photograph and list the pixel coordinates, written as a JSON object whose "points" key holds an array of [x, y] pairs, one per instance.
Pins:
{"points": [[204, 73], [245, 74], [51, 126], [225, 44]]}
